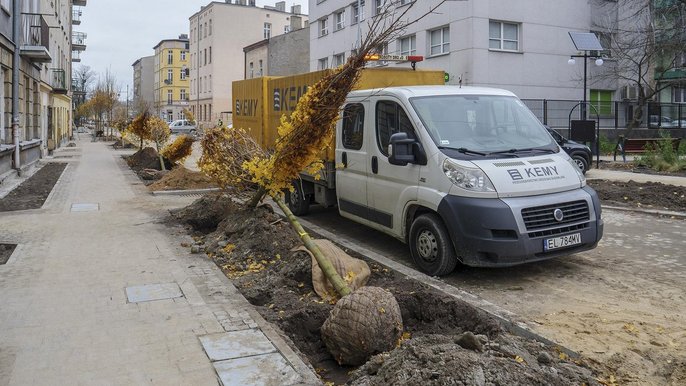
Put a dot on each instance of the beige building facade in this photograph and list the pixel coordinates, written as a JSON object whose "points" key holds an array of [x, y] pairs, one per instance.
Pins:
{"points": [[218, 34], [143, 82]]}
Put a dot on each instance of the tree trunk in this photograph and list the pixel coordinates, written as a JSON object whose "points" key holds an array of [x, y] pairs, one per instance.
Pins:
{"points": [[257, 197], [324, 263]]}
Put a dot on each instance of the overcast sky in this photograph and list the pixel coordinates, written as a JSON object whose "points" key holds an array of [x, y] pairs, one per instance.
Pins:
{"points": [[122, 31]]}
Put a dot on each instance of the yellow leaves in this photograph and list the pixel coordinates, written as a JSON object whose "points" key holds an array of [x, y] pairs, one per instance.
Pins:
{"points": [[630, 328], [610, 381], [178, 150], [519, 359], [229, 248], [349, 277], [563, 356], [382, 310]]}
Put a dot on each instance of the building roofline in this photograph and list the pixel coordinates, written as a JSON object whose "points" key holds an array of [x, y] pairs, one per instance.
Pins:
{"points": [[256, 45], [211, 3], [170, 40]]}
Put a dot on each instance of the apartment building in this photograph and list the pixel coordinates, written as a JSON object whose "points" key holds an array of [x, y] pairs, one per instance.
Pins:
{"points": [[170, 79], [281, 55], [45, 55], [143, 82], [218, 34], [520, 46]]}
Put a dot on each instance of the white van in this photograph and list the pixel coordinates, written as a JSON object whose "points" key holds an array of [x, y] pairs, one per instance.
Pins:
{"points": [[183, 126], [460, 174]]}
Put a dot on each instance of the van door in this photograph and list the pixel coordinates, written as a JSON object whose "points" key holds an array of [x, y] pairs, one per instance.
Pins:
{"points": [[351, 162], [390, 187]]}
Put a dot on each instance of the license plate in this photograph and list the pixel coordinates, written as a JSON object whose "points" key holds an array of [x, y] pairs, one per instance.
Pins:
{"points": [[562, 241]]}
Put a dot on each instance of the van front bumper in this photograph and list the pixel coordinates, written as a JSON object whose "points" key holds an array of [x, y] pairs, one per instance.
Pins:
{"points": [[493, 232]]}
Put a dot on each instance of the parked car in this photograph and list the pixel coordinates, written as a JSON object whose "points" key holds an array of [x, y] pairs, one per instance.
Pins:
{"points": [[678, 123], [183, 126], [580, 153], [660, 121]]}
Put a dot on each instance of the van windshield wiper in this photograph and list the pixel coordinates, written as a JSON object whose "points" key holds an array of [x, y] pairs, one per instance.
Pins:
{"points": [[464, 150], [514, 151]]}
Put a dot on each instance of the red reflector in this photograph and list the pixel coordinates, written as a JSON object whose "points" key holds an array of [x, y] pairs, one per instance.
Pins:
{"points": [[415, 58]]}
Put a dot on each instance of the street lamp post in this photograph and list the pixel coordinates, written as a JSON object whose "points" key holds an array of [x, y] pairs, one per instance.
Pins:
{"points": [[598, 62]]}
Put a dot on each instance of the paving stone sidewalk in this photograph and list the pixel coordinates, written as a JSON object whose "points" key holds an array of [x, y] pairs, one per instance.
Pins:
{"points": [[100, 291]]}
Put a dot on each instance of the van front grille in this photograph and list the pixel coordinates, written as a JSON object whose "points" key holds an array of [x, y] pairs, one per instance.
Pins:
{"points": [[540, 217]]}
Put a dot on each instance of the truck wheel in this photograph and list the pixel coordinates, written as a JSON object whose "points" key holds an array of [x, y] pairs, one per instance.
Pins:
{"points": [[580, 162], [430, 246], [298, 202]]}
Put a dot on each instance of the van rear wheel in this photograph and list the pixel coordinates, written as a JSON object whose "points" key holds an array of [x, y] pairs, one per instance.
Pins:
{"points": [[430, 246]]}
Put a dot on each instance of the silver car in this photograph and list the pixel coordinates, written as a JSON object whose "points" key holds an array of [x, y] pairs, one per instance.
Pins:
{"points": [[183, 126]]}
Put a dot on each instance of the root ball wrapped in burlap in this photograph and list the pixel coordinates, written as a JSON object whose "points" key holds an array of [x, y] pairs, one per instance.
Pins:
{"points": [[362, 324]]}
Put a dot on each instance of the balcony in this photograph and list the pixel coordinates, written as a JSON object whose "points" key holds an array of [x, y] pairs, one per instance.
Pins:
{"points": [[76, 17], [674, 73], [75, 56], [58, 81], [78, 41], [77, 88], [35, 39], [81, 3]]}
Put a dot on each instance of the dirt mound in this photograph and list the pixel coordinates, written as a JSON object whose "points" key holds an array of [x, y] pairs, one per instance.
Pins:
{"points": [[180, 178], [442, 360], [648, 195], [206, 213], [146, 158], [253, 248]]}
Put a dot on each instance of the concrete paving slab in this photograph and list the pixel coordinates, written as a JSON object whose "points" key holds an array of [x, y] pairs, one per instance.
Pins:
{"points": [[267, 370], [85, 207], [150, 292], [236, 344]]}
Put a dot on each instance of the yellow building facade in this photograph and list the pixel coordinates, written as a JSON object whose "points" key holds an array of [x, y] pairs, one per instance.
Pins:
{"points": [[171, 84]]}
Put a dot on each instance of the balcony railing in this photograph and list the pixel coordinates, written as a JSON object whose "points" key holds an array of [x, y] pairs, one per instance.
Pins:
{"points": [[35, 38], [77, 88], [58, 81], [76, 17], [78, 41]]}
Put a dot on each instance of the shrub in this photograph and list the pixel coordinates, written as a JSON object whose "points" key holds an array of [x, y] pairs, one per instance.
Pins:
{"points": [[178, 150]]}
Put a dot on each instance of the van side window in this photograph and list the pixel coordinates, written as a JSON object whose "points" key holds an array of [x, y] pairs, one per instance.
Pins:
{"points": [[391, 119], [353, 126]]}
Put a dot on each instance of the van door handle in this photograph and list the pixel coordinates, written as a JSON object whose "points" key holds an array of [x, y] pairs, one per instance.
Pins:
{"points": [[344, 159], [375, 165]]}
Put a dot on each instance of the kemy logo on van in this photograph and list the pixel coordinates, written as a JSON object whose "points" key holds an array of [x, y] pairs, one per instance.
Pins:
{"points": [[534, 174]]}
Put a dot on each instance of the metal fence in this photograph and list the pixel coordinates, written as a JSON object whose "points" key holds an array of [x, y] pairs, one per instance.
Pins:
{"points": [[612, 115]]}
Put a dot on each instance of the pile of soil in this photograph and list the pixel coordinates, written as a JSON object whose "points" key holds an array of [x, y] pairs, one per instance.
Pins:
{"points": [[253, 248], [146, 158], [32, 193], [648, 195], [180, 178]]}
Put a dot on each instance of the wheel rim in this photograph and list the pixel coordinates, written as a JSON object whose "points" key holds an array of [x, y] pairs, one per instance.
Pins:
{"points": [[427, 246], [294, 199], [579, 163]]}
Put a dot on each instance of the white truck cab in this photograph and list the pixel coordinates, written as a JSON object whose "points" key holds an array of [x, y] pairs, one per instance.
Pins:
{"points": [[462, 175]]}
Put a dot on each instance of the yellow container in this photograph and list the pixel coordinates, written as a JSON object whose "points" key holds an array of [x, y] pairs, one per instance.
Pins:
{"points": [[259, 103]]}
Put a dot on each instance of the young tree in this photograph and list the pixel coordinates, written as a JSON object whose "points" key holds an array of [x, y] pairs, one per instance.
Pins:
{"points": [[159, 133]]}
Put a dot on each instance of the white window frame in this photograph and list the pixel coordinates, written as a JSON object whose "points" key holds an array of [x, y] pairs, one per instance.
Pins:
{"points": [[170, 75], [170, 97], [404, 2], [443, 44], [357, 15], [679, 94], [323, 63], [260, 66], [252, 70], [267, 30], [323, 26], [339, 19], [183, 73], [170, 57], [183, 56], [182, 95], [378, 7], [501, 38], [339, 59], [412, 45]]}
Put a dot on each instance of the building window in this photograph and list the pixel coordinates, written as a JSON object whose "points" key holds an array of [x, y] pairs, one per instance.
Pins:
{"points": [[358, 13], [261, 68], [440, 41], [503, 36], [252, 75], [602, 101], [210, 27], [405, 2], [338, 60], [209, 84], [378, 7], [679, 94], [204, 59], [205, 34], [183, 95], [170, 57], [170, 76], [286, 29], [381, 50], [339, 18], [170, 97], [210, 59], [323, 27], [408, 45], [267, 30], [183, 56], [323, 63], [183, 74]]}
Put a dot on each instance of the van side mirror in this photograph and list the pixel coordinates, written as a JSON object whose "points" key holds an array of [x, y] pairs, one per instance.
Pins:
{"points": [[400, 149]]}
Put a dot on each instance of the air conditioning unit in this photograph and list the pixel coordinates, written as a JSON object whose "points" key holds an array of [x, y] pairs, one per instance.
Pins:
{"points": [[629, 92]]}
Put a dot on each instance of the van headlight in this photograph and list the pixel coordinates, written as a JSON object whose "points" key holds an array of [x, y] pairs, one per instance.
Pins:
{"points": [[581, 175], [473, 179]]}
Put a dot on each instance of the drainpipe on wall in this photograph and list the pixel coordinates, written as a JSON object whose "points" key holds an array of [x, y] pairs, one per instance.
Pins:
{"points": [[16, 30]]}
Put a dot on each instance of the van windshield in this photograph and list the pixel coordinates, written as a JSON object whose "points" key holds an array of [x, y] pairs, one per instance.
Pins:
{"points": [[481, 123]]}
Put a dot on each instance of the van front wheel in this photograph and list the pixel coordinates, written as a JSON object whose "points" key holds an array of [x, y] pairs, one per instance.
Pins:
{"points": [[298, 202], [430, 246]]}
